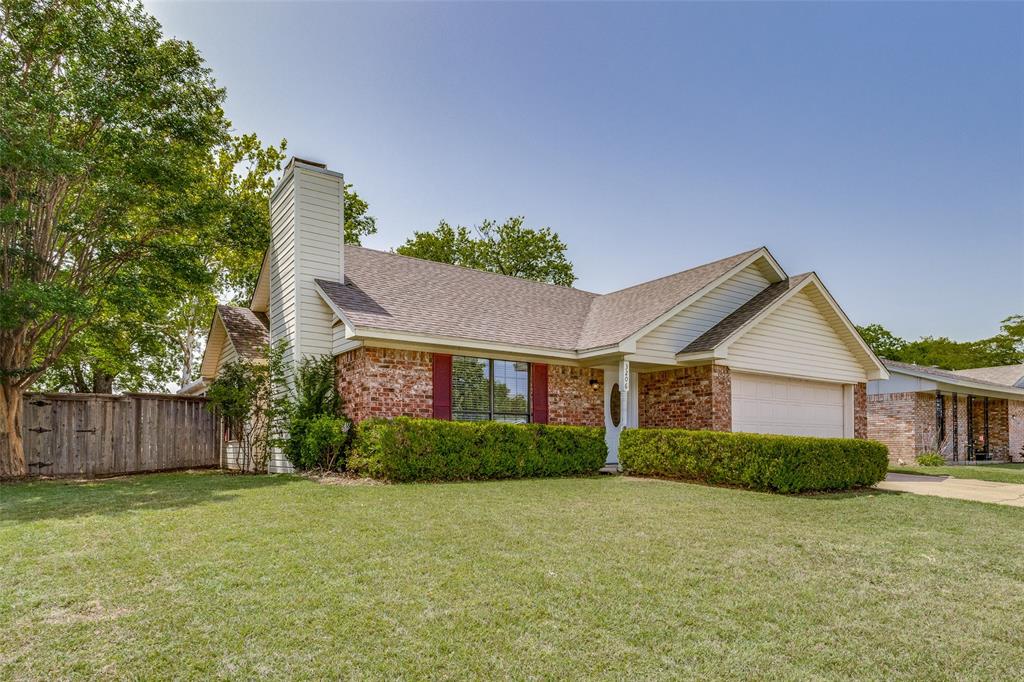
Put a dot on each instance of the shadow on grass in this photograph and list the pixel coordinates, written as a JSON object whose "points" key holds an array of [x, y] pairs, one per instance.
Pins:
{"points": [[37, 500]]}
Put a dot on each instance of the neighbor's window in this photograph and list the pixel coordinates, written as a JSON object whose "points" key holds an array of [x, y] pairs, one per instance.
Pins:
{"points": [[484, 389]]}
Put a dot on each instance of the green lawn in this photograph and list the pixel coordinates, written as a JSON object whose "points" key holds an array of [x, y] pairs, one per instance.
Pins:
{"points": [[210, 575], [1001, 473]]}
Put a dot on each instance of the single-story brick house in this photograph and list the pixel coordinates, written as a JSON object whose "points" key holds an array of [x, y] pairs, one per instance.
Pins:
{"points": [[737, 344], [966, 416]]}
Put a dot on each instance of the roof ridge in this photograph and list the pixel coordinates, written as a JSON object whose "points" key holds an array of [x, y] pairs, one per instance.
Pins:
{"points": [[952, 373], [680, 272], [466, 267]]}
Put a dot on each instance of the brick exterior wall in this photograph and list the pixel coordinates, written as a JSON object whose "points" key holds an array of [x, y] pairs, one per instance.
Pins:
{"points": [[571, 400], [906, 423], [1015, 418], [860, 411], [686, 398], [998, 427], [384, 382], [891, 420]]}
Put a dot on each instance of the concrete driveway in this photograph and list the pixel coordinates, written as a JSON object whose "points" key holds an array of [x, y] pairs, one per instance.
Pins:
{"points": [[1011, 494]]}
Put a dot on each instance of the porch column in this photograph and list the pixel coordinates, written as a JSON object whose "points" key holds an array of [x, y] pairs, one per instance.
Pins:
{"points": [[624, 389]]}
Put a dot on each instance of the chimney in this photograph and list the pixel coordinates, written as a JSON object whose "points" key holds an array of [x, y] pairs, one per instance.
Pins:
{"points": [[307, 228]]}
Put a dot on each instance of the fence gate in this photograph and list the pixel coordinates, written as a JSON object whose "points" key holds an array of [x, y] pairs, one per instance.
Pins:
{"points": [[88, 434]]}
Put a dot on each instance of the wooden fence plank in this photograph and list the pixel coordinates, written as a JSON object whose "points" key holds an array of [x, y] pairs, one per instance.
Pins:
{"points": [[70, 434]]}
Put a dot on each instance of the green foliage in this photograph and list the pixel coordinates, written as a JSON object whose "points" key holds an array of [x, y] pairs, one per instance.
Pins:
{"points": [[405, 449], [930, 459], [317, 429], [251, 398], [323, 442], [785, 464], [508, 249], [1005, 348]]}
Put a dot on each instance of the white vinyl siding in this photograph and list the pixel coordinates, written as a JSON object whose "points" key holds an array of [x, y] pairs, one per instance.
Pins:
{"points": [[766, 404], [341, 343], [227, 355], [796, 339], [306, 244], [662, 344]]}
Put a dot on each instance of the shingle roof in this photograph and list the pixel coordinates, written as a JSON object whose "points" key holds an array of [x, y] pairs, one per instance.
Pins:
{"points": [[615, 316], [248, 331], [944, 374], [397, 293], [743, 315], [1006, 375]]}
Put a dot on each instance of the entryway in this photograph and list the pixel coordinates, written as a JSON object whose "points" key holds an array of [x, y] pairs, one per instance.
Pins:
{"points": [[620, 406]]}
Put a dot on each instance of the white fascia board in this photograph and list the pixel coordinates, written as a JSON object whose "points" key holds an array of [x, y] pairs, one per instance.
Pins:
{"points": [[693, 298], [368, 334], [701, 358], [260, 300], [350, 329], [212, 352]]}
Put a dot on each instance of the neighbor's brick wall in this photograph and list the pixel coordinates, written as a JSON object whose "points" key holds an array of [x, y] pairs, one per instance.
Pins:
{"points": [[1015, 414], [998, 426], [891, 420], [860, 411], [571, 400], [385, 382], [686, 398]]}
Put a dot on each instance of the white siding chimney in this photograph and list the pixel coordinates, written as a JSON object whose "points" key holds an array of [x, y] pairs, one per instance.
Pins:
{"points": [[307, 227]]}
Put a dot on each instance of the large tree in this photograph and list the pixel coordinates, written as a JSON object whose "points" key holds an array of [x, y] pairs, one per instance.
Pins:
{"points": [[507, 248], [106, 132]]}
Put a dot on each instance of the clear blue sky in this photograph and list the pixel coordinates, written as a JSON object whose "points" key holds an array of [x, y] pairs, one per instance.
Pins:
{"points": [[879, 144]]}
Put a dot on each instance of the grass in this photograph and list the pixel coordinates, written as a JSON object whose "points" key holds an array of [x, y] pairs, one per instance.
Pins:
{"points": [[1000, 473], [207, 575]]}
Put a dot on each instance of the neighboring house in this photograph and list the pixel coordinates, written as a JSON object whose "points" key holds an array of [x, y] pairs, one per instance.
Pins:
{"points": [[737, 344], [966, 416]]}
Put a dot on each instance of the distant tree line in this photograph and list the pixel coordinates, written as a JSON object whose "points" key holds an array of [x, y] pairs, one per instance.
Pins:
{"points": [[1005, 348]]}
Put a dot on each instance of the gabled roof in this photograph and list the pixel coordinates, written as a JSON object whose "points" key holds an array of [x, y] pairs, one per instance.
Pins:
{"points": [[1005, 375], [743, 315], [952, 379], [248, 331], [390, 292], [615, 316]]}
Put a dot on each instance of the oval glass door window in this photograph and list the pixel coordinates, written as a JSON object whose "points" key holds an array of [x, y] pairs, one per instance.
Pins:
{"points": [[615, 405]]}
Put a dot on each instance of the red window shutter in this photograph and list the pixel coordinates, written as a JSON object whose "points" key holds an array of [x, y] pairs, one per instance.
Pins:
{"points": [[442, 386], [540, 393]]}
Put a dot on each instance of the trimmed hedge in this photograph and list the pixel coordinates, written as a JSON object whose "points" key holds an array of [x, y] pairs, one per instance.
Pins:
{"points": [[404, 449], [785, 464]]}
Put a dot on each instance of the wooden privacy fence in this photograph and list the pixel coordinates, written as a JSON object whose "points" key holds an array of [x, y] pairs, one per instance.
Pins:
{"points": [[88, 434]]}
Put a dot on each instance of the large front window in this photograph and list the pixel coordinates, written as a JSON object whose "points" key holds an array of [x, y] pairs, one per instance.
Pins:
{"points": [[484, 389]]}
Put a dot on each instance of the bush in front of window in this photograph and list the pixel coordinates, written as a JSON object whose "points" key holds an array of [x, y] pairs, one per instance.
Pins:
{"points": [[784, 464], [930, 459], [404, 449]]}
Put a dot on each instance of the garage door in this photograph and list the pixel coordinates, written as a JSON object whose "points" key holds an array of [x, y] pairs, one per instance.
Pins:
{"points": [[763, 404]]}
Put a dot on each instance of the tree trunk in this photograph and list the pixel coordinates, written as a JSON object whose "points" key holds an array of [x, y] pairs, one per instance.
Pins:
{"points": [[102, 382], [12, 449]]}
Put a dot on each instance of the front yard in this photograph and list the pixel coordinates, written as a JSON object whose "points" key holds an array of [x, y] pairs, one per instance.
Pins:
{"points": [[209, 575]]}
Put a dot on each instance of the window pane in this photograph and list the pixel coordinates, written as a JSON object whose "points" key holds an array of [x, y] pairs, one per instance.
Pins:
{"points": [[511, 388], [470, 388]]}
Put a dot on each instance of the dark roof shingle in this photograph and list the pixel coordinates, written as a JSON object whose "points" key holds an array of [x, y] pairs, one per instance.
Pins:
{"points": [[397, 293], [743, 315], [248, 331]]}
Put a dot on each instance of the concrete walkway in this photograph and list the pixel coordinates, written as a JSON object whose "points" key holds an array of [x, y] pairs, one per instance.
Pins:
{"points": [[1011, 494]]}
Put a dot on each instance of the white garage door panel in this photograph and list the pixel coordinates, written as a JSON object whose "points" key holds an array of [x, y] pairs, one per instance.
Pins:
{"points": [[763, 404]]}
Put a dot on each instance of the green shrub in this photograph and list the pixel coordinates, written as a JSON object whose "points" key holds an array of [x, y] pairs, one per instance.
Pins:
{"points": [[931, 459], [317, 430], [405, 449], [785, 464]]}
